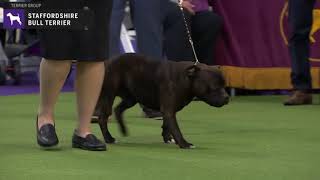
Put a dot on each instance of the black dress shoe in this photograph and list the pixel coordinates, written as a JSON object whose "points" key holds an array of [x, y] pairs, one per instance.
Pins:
{"points": [[46, 135], [90, 143]]}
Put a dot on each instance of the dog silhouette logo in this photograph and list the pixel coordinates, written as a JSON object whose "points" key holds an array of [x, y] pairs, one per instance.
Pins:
{"points": [[313, 36], [13, 19]]}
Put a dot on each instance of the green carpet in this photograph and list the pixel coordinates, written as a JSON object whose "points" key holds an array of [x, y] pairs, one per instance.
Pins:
{"points": [[253, 138]]}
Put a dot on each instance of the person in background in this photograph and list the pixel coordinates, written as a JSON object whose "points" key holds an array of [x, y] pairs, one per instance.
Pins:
{"points": [[300, 20], [117, 16], [147, 16], [204, 26]]}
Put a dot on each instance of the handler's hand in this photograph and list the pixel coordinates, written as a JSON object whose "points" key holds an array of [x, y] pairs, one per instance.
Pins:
{"points": [[187, 5]]}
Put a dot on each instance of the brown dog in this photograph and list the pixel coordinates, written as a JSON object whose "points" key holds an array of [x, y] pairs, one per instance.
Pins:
{"points": [[160, 85]]}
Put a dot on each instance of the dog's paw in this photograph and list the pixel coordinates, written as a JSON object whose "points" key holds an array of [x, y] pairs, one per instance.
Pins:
{"points": [[170, 141], [111, 141], [187, 146]]}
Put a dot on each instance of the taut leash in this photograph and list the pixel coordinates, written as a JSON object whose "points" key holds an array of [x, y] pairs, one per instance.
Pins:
{"points": [[188, 33]]}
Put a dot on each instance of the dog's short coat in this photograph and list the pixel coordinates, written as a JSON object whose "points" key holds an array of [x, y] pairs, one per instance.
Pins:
{"points": [[161, 85]]}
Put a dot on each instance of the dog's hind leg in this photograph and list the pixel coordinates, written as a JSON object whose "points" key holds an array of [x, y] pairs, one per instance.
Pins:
{"points": [[126, 103], [104, 111], [103, 121]]}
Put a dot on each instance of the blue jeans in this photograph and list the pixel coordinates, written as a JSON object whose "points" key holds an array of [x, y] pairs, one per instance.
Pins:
{"points": [[116, 19], [148, 16], [300, 20]]}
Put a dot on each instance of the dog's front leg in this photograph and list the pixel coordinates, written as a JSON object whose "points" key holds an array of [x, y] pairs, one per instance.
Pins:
{"points": [[171, 120], [167, 137]]}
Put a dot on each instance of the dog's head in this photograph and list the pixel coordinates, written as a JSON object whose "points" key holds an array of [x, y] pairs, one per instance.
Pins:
{"points": [[208, 84]]}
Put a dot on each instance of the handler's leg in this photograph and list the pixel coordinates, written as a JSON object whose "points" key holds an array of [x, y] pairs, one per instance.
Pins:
{"points": [[88, 84], [52, 77]]}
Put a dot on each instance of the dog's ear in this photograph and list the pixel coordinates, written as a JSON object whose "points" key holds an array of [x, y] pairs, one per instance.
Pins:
{"points": [[192, 70]]}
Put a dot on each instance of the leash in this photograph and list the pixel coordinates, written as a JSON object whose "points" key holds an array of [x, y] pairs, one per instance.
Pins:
{"points": [[188, 33]]}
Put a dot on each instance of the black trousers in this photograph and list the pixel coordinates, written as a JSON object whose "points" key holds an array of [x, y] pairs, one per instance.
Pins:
{"points": [[204, 27], [300, 20]]}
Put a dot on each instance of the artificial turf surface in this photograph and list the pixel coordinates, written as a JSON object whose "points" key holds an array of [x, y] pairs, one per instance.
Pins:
{"points": [[251, 138]]}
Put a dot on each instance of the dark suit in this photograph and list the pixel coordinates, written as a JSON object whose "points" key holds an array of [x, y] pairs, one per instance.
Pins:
{"points": [[300, 20]]}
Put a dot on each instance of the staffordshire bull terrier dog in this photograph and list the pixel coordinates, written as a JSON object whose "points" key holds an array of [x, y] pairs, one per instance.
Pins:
{"points": [[166, 86]]}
